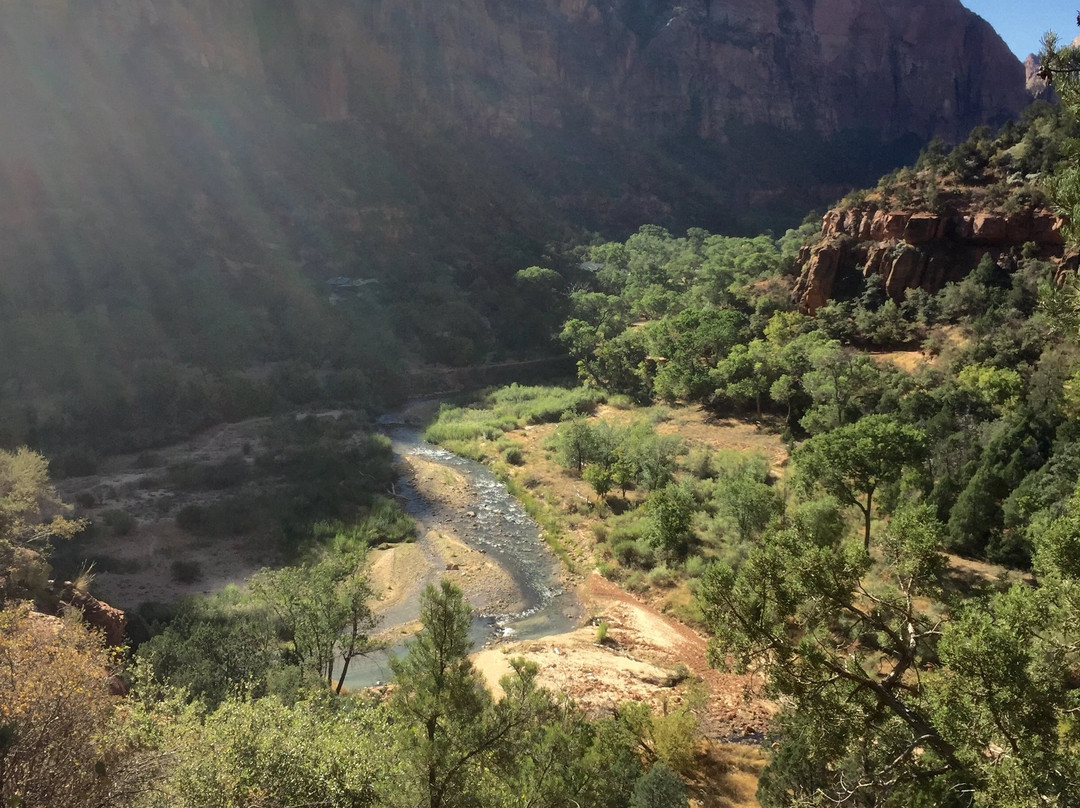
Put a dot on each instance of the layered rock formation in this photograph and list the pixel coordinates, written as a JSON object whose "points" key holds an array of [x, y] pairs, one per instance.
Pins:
{"points": [[916, 249], [638, 96], [109, 620]]}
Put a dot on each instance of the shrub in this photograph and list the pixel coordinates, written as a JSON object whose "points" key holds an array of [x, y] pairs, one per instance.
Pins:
{"points": [[662, 577], [186, 572], [610, 571], [636, 582], [660, 787], [695, 566], [119, 521], [634, 554], [513, 455]]}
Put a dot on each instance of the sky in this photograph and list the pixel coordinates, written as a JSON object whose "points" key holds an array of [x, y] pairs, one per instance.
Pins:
{"points": [[1022, 23]]}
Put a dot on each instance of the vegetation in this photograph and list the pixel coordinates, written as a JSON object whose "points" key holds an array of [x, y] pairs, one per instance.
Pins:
{"points": [[31, 518], [902, 682], [899, 680], [64, 739], [441, 740]]}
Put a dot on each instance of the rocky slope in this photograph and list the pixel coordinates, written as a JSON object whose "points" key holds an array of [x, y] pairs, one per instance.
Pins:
{"points": [[913, 249], [927, 225]]}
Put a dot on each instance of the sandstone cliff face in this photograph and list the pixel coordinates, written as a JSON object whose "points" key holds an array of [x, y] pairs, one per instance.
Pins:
{"points": [[916, 249], [922, 67], [632, 79]]}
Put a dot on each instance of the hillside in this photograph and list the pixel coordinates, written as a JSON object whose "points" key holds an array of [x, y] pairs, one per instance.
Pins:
{"points": [[193, 191]]}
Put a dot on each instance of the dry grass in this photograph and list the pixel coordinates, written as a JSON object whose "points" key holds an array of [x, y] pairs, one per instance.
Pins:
{"points": [[907, 361], [727, 775]]}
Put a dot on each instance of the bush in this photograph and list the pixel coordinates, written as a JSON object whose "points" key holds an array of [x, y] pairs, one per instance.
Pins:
{"points": [[637, 582], [634, 554], [699, 462], [229, 473], [662, 577], [119, 521], [660, 787], [695, 566], [230, 517], [186, 572], [512, 455], [610, 571]]}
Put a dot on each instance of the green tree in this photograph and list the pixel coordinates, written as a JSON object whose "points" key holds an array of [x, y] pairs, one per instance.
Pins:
{"points": [[1061, 65], [838, 379], [659, 788], [842, 655], [323, 609], [748, 499], [575, 444], [671, 512], [211, 645], [600, 477], [747, 374], [890, 699], [31, 518], [691, 343], [261, 752], [852, 461], [451, 727]]}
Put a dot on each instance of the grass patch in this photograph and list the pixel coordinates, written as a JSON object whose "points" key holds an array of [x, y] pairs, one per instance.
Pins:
{"points": [[510, 408], [551, 526]]}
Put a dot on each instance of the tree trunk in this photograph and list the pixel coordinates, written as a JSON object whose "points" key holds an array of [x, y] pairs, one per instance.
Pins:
{"points": [[344, 670], [866, 517], [434, 793]]}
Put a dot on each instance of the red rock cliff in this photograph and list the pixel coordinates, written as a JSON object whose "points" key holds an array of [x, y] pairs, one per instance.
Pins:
{"points": [[916, 249]]}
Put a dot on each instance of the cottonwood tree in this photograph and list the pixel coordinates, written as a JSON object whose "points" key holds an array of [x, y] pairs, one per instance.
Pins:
{"points": [[671, 513], [851, 462], [323, 608], [839, 377]]}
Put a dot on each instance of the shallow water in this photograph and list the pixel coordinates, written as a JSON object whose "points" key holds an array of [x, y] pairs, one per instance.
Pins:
{"points": [[499, 527]]}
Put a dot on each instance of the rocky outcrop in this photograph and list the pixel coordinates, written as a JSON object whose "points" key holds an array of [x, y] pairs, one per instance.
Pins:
{"points": [[917, 249], [1037, 86], [110, 621]]}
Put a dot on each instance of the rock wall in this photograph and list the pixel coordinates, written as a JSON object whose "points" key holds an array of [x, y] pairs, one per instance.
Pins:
{"points": [[916, 249], [666, 88]]}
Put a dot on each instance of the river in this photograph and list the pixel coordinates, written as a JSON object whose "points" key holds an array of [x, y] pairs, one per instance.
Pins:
{"points": [[492, 522]]}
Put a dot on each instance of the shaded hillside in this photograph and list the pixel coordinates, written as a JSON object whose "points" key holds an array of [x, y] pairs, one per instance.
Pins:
{"points": [[180, 180]]}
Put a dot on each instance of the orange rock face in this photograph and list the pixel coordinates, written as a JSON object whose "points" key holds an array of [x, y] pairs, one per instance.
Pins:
{"points": [[917, 249], [100, 615]]}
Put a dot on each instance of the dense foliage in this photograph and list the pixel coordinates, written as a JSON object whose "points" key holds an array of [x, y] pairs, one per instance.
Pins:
{"points": [[439, 740]]}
